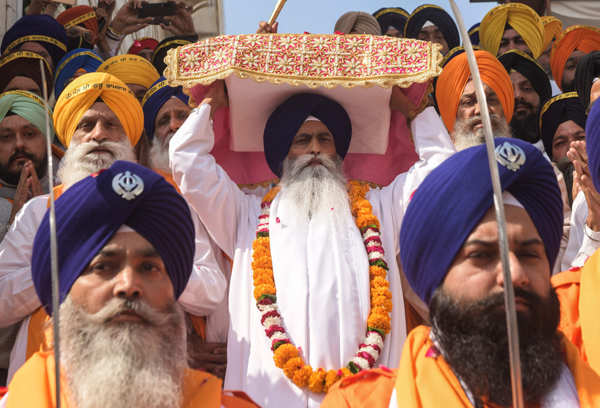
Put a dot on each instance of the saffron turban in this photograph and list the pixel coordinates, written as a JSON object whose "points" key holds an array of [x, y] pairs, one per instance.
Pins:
{"points": [[83, 92], [391, 17], [80, 59], [592, 143], [155, 98], [142, 44], [26, 64], [288, 117], [83, 16], [582, 38], [445, 209], [474, 34], [357, 22], [455, 75], [91, 211], [588, 68], [557, 110], [522, 18], [528, 67], [439, 17], [40, 28], [26, 105], [160, 52], [131, 69], [552, 29]]}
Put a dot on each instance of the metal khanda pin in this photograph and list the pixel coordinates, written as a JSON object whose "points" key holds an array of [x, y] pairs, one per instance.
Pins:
{"points": [[127, 185], [510, 156]]}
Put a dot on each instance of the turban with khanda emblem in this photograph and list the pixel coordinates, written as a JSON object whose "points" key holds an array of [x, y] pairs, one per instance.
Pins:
{"points": [[444, 210]]}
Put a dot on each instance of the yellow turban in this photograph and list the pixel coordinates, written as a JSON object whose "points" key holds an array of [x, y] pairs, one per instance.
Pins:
{"points": [[455, 75], [582, 38], [552, 29], [131, 69], [83, 92], [523, 19]]}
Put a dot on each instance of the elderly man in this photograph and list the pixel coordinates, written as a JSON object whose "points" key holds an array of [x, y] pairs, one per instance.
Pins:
{"points": [[531, 88], [432, 23], [512, 26], [99, 120], [568, 48], [123, 334], [20, 70], [300, 255], [449, 250], [457, 102]]}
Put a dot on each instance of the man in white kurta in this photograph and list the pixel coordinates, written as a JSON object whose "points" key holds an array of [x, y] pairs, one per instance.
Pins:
{"points": [[321, 271]]}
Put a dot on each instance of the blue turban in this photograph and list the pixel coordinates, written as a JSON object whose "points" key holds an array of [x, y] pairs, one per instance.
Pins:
{"points": [[559, 109], [37, 28], [438, 16], [91, 211], [158, 94], [391, 17], [285, 121], [453, 198], [80, 58], [592, 142]]}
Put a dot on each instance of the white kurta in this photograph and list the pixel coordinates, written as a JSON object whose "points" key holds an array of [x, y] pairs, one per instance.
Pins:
{"points": [[583, 241], [18, 299], [321, 273]]}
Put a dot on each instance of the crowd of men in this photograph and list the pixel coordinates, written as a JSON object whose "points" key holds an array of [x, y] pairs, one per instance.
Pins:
{"points": [[180, 288]]}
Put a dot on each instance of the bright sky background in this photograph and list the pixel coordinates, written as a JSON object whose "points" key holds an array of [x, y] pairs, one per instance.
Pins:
{"points": [[319, 16]]}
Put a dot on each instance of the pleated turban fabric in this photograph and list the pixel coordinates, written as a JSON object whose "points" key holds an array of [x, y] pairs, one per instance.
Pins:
{"points": [[357, 22], [83, 16], [83, 92], [131, 69], [445, 209], [79, 60], [391, 17], [455, 75], [528, 67], [474, 33], [91, 211], [160, 52], [523, 19], [28, 106], [436, 15], [145, 43], [288, 117], [27, 64], [582, 38], [557, 110], [158, 94], [592, 143], [552, 29]]}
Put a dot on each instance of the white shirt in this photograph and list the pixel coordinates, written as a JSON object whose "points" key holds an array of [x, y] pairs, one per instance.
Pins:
{"points": [[583, 241], [322, 289]]}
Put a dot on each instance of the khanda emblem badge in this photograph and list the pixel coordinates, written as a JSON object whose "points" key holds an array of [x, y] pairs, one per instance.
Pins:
{"points": [[510, 156], [128, 185]]}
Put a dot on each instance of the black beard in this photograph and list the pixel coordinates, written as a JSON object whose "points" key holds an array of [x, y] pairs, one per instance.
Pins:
{"points": [[525, 129], [474, 341], [13, 177]]}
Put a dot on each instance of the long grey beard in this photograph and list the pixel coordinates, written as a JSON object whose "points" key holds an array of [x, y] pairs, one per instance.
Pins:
{"points": [[78, 162], [123, 364], [465, 137], [159, 153], [315, 190]]}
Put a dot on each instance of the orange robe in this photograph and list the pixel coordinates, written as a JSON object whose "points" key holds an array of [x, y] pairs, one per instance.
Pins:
{"points": [[33, 386], [424, 379], [578, 290]]}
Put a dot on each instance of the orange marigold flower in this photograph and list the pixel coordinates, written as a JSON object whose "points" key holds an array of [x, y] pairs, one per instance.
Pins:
{"points": [[363, 221], [264, 289], [261, 262], [292, 365], [263, 279], [302, 376], [380, 321], [379, 283], [346, 372], [270, 196], [261, 243], [284, 353], [375, 270], [316, 382], [383, 302], [381, 292], [330, 378]]}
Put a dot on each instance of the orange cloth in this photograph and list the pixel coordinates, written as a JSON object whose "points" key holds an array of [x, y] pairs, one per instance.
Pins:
{"points": [[33, 386], [424, 379], [582, 38], [454, 77]]}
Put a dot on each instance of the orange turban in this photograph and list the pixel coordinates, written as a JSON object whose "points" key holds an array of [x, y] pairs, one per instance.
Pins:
{"points": [[552, 29], [582, 38], [454, 78], [131, 69], [523, 19], [83, 92], [79, 15]]}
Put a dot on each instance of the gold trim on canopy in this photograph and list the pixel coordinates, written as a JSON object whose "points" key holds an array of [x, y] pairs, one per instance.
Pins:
{"points": [[314, 60]]}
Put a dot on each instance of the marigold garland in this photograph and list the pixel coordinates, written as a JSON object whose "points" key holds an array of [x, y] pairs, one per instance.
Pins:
{"points": [[285, 355]]}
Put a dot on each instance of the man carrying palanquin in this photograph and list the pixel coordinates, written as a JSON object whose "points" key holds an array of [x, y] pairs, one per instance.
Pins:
{"points": [[449, 248], [429, 22]]}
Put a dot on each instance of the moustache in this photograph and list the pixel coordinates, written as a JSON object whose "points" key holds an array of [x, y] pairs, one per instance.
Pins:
{"points": [[20, 154], [118, 306]]}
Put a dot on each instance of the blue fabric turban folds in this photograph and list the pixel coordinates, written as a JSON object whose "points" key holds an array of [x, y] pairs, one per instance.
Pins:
{"points": [[37, 28], [284, 122], [438, 16], [592, 142], [557, 110], [90, 212], [451, 201], [391, 17], [474, 34], [158, 94], [73, 61]]}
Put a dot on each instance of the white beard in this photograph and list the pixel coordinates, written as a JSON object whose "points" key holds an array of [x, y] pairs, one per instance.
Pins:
{"points": [[123, 364], [78, 162], [315, 190], [159, 153], [465, 137]]}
